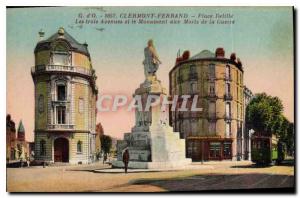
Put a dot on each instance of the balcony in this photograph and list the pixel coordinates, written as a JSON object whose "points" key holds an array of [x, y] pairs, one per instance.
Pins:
{"points": [[228, 116], [60, 102], [61, 126], [228, 96], [60, 68], [212, 96]]}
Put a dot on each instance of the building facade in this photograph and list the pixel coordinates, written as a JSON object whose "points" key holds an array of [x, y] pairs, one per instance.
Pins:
{"points": [[17, 147], [65, 100], [248, 95], [215, 133]]}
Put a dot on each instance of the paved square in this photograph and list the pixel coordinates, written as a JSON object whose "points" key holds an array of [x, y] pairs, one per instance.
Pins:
{"points": [[92, 178]]}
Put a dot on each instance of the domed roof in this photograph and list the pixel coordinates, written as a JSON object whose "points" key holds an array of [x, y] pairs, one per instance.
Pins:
{"points": [[63, 35], [203, 54]]}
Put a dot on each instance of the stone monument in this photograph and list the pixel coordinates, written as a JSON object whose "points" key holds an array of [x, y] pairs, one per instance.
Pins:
{"points": [[152, 144]]}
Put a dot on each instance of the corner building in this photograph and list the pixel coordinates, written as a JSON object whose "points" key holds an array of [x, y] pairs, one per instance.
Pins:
{"points": [[215, 133], [65, 100]]}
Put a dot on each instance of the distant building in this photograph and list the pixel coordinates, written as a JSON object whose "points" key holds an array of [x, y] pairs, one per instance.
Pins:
{"points": [[216, 132], [16, 146], [10, 138], [248, 95], [65, 100], [99, 133]]}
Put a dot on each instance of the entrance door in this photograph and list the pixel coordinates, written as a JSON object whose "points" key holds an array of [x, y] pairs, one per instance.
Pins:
{"points": [[61, 150]]}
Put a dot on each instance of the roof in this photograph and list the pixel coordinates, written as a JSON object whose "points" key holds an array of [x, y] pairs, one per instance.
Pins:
{"points": [[61, 34], [206, 55], [203, 54], [21, 127]]}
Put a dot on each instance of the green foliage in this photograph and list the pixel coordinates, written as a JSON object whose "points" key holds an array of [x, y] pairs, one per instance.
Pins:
{"points": [[264, 114], [106, 143]]}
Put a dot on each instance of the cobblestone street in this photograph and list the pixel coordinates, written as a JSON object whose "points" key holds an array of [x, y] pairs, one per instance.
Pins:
{"points": [[92, 178]]}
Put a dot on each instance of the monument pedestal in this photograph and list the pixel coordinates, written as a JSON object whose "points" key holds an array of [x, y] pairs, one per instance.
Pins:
{"points": [[152, 144]]}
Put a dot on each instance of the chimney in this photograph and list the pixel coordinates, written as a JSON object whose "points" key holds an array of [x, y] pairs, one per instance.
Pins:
{"points": [[233, 57], [220, 53], [41, 35]]}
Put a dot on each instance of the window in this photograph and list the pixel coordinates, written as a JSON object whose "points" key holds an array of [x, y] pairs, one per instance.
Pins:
{"points": [[193, 87], [80, 105], [227, 150], [60, 58], [212, 88], [237, 111], [193, 69], [43, 147], [61, 92], [228, 129], [61, 114], [79, 147], [215, 150], [227, 72], [212, 128], [212, 109], [211, 71], [228, 109], [227, 89]]}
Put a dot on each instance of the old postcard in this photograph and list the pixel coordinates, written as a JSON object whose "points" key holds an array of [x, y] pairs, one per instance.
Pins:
{"points": [[150, 99]]}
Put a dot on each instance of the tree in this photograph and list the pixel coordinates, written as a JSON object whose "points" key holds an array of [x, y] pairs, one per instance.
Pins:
{"points": [[264, 114], [290, 139], [106, 143]]}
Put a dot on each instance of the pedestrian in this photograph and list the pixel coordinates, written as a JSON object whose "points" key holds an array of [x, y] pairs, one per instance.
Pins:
{"points": [[104, 157], [126, 159]]}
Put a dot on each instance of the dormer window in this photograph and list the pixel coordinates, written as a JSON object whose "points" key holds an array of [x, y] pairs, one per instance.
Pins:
{"points": [[60, 58], [61, 55]]}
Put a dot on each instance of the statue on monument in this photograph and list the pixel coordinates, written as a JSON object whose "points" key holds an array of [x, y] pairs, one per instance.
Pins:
{"points": [[151, 61]]}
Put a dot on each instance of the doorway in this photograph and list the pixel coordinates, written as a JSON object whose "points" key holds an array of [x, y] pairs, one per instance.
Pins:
{"points": [[61, 150]]}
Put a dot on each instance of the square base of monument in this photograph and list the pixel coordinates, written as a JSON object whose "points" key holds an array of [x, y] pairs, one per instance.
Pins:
{"points": [[153, 165]]}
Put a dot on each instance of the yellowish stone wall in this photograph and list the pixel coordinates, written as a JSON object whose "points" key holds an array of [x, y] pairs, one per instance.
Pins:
{"points": [[41, 117], [236, 90], [81, 60], [43, 136], [42, 57], [74, 155], [80, 93]]}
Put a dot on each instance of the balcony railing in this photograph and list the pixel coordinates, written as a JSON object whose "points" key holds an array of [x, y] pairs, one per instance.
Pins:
{"points": [[61, 68], [212, 96], [61, 126], [228, 97], [228, 116]]}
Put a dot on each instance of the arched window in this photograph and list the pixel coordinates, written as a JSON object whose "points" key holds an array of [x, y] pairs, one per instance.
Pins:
{"points": [[79, 146], [43, 147]]}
